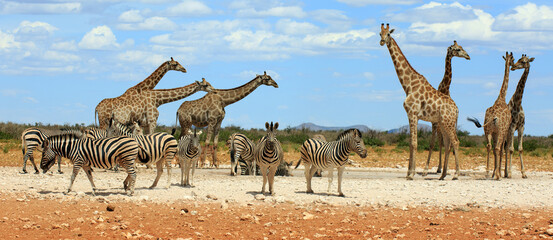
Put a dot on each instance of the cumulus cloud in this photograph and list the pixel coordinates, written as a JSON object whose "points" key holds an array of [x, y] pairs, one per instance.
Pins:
{"points": [[153, 23], [65, 46], [292, 27], [528, 17], [188, 8], [142, 57], [7, 41], [281, 11], [10, 7], [336, 19], [131, 16], [434, 12], [99, 38], [362, 3]]}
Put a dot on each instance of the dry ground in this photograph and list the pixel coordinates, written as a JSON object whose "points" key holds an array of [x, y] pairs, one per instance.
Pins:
{"points": [[379, 203]]}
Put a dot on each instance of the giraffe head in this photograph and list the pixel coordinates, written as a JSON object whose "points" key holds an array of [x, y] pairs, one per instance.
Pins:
{"points": [[385, 34], [523, 62], [174, 65], [204, 86], [509, 59], [271, 134], [457, 51], [266, 80]]}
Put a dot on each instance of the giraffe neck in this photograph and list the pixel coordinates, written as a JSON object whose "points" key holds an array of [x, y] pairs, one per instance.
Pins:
{"points": [[233, 95], [516, 99], [505, 85], [446, 81], [163, 96], [151, 81], [405, 72]]}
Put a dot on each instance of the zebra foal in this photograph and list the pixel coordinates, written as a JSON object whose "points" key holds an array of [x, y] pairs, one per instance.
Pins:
{"points": [[241, 150], [32, 139], [316, 154], [155, 148], [188, 151], [268, 155], [87, 153]]}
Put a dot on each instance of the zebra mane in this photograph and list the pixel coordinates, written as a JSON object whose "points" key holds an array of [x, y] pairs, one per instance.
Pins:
{"points": [[351, 130], [67, 135]]}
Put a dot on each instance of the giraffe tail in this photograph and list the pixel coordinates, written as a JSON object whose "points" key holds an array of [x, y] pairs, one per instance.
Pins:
{"points": [[95, 113], [475, 121]]}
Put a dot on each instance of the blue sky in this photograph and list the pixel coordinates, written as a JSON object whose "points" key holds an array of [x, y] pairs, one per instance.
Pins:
{"points": [[59, 59]]}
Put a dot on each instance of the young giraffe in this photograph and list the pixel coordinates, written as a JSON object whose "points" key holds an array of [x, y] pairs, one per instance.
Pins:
{"points": [[210, 110], [454, 50], [423, 102], [517, 115], [496, 123], [124, 104]]}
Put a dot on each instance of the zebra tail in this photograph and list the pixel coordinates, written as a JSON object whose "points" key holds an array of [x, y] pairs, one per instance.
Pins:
{"points": [[23, 144], [475, 121], [298, 164], [232, 151]]}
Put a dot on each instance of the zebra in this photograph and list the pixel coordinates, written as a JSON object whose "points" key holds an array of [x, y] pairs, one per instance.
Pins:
{"points": [[32, 138], [155, 147], [189, 149], [87, 153], [241, 153], [268, 154], [316, 154]]}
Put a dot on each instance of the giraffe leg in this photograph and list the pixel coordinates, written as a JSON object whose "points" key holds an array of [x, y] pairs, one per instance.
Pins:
{"points": [[215, 142], [520, 150], [413, 121], [209, 136], [509, 148], [340, 174], [447, 143], [488, 150], [440, 146], [497, 154], [452, 145], [432, 138]]}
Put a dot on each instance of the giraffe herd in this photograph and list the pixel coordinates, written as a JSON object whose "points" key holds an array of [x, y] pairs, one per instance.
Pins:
{"points": [[138, 105]]}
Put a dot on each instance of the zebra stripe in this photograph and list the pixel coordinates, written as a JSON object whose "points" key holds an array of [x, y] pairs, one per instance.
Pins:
{"points": [[155, 147], [97, 133], [189, 149], [268, 154], [316, 154], [32, 138], [102, 153], [241, 153]]}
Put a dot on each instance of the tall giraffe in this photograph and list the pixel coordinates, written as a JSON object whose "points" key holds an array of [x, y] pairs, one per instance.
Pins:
{"points": [[423, 102], [496, 123], [517, 115], [106, 108], [145, 108], [210, 110], [454, 50]]}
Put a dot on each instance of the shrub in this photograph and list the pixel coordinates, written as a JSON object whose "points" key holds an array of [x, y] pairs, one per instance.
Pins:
{"points": [[370, 141]]}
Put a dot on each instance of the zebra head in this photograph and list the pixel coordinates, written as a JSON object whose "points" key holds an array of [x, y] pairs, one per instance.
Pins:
{"points": [[116, 129], [266, 80], [194, 144], [174, 65], [354, 140], [48, 158], [204, 86], [271, 135]]}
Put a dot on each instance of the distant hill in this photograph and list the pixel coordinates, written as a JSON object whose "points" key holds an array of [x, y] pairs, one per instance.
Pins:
{"points": [[405, 128], [315, 127]]}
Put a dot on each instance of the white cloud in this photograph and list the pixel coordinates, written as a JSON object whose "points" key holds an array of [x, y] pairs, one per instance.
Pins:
{"points": [[291, 27], [65, 46], [60, 56], [434, 12], [99, 38], [528, 17], [143, 57], [131, 16], [340, 40], [189, 8], [35, 28], [153, 23], [336, 19], [362, 3], [9, 7], [281, 11], [7, 41]]}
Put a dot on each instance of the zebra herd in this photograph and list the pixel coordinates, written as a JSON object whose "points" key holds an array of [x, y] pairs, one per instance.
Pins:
{"points": [[125, 146]]}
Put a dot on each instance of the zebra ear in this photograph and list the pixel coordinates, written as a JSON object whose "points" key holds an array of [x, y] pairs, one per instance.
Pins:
{"points": [[276, 126], [267, 126], [45, 144]]}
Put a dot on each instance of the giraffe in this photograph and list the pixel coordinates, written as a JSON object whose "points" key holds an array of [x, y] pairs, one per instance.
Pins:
{"points": [[496, 123], [210, 110], [454, 50], [124, 103], [423, 102], [517, 115]]}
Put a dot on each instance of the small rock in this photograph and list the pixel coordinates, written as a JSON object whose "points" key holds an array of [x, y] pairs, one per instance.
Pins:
{"points": [[549, 232], [224, 205], [308, 216], [110, 208], [526, 215], [184, 210], [201, 219], [212, 197], [246, 217], [194, 212], [260, 197], [268, 224]]}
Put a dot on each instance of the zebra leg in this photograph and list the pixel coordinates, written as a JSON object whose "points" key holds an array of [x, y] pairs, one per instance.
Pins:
{"points": [[310, 169], [24, 170], [88, 172], [330, 177], [76, 168], [272, 171], [59, 165], [340, 175], [187, 165], [191, 176], [182, 170], [34, 165], [159, 167], [264, 173], [168, 164]]}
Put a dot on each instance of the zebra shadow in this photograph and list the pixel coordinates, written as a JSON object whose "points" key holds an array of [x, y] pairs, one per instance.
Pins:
{"points": [[99, 192], [322, 194]]}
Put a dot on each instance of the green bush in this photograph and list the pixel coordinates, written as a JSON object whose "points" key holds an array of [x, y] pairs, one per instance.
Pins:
{"points": [[370, 141]]}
